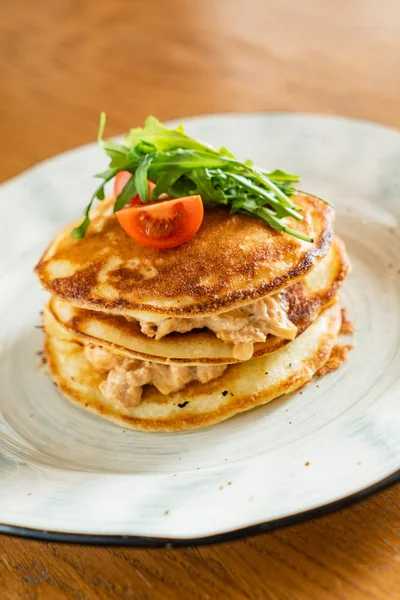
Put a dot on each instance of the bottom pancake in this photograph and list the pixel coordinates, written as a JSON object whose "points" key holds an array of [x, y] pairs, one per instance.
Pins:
{"points": [[241, 387]]}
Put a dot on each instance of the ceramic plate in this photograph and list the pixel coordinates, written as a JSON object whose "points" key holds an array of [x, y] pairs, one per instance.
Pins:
{"points": [[65, 474]]}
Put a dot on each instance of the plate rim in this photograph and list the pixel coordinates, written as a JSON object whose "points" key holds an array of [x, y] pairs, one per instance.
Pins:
{"points": [[134, 541], [128, 540]]}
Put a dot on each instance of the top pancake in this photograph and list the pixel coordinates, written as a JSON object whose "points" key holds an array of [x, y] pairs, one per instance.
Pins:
{"points": [[232, 260]]}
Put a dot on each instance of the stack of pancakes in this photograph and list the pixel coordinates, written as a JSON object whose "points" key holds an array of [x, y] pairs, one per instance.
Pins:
{"points": [[112, 299]]}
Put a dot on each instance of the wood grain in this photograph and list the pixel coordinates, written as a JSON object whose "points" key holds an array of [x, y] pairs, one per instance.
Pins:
{"points": [[60, 64]]}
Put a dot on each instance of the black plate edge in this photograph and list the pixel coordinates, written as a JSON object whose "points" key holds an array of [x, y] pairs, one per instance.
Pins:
{"points": [[230, 536]]}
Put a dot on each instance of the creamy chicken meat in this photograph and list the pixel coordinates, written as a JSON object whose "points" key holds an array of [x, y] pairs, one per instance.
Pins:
{"points": [[242, 326], [126, 377]]}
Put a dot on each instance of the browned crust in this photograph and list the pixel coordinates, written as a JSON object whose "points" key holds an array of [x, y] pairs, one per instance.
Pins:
{"points": [[302, 311], [337, 358], [200, 277], [347, 325], [233, 405]]}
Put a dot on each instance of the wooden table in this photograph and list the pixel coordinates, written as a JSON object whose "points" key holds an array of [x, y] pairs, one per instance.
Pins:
{"points": [[61, 62]]}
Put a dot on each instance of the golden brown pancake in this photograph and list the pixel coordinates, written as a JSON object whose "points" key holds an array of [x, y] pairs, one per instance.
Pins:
{"points": [[304, 299], [231, 261], [241, 387]]}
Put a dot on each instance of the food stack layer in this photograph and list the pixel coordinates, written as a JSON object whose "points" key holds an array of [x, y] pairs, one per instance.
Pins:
{"points": [[184, 337]]}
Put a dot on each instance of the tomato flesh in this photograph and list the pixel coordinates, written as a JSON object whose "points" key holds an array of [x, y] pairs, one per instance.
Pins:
{"points": [[121, 179], [164, 224]]}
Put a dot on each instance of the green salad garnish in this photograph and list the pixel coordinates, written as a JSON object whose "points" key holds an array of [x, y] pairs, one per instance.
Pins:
{"points": [[181, 166]]}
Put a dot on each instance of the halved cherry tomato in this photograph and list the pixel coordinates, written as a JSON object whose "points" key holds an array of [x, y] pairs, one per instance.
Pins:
{"points": [[120, 181], [164, 224]]}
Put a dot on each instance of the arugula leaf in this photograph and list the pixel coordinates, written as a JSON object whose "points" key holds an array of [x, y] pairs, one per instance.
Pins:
{"points": [[106, 175], [269, 217], [203, 180], [117, 152], [182, 166], [129, 191], [162, 138], [141, 177], [278, 176], [166, 181], [186, 159], [182, 187], [284, 209], [319, 198], [102, 124], [225, 152], [80, 231]]}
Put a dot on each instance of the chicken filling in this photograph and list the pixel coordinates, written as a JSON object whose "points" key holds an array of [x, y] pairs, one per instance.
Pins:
{"points": [[126, 377], [242, 327]]}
